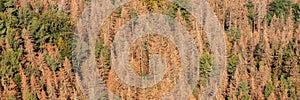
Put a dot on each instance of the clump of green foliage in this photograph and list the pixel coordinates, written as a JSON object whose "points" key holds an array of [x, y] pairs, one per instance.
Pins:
{"points": [[244, 88], [119, 12], [284, 58], [233, 36], [258, 52], [280, 8], [9, 62], [205, 67], [50, 26], [30, 96], [251, 14], [133, 14], [151, 3], [296, 14], [88, 2], [102, 53], [98, 48], [105, 52], [173, 8], [232, 63], [268, 90], [53, 63], [5, 4], [46, 27], [102, 50]]}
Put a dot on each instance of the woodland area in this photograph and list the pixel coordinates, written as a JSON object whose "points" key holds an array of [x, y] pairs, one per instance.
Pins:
{"points": [[262, 39]]}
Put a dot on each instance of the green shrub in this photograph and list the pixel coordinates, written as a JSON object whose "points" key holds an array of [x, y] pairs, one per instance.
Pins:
{"points": [[119, 12], [173, 8], [289, 56], [9, 62], [244, 88], [234, 34], [31, 70], [17, 79], [105, 52], [246, 97], [88, 2], [205, 67], [280, 8], [48, 27], [102, 50], [30, 96], [292, 88], [11, 97], [54, 63], [8, 24], [98, 48], [151, 3], [196, 92], [185, 15], [4, 4], [233, 61], [133, 14], [296, 14], [146, 47], [25, 16], [251, 14], [258, 52], [65, 45], [268, 90]]}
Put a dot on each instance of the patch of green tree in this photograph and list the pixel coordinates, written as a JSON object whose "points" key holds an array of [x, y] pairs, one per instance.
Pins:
{"points": [[284, 60], [296, 14], [102, 50], [244, 89], [205, 67], [258, 53], [51, 27], [4, 4], [105, 52], [11, 97], [119, 12], [31, 70], [152, 3], [232, 64], [250, 7], [48, 27], [98, 48], [133, 14], [173, 9], [30, 96], [233, 36], [280, 8], [65, 45], [102, 54], [53, 62], [269, 88], [289, 84], [9, 62]]}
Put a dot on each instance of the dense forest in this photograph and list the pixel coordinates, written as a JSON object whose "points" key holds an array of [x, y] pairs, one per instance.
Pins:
{"points": [[262, 40]]}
